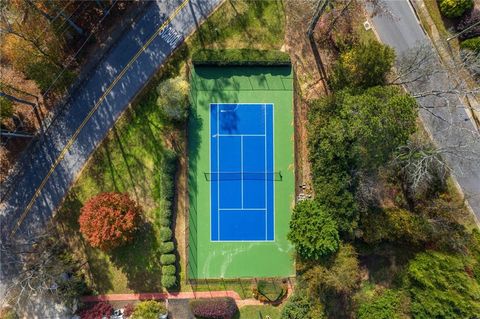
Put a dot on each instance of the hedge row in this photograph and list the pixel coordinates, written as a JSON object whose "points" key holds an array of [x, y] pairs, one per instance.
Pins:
{"points": [[164, 217], [214, 308], [240, 57]]}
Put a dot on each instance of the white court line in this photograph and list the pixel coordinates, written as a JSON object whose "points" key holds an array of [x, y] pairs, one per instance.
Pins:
{"points": [[241, 135], [265, 168], [273, 164], [243, 208], [218, 180], [241, 166]]}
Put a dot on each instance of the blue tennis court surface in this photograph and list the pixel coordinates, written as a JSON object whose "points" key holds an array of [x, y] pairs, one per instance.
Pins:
{"points": [[241, 172]]}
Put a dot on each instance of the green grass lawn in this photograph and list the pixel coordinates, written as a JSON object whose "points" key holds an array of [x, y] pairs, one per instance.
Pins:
{"points": [[132, 159], [254, 312], [136, 155]]}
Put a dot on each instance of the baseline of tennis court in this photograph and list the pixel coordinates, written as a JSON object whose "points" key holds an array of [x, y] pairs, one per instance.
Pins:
{"points": [[242, 172]]}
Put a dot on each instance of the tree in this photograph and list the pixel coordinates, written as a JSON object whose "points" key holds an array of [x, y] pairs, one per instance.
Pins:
{"points": [[347, 136], [394, 225], [441, 286], [365, 65], [38, 267], [173, 98], [454, 8], [109, 220], [149, 309], [313, 231], [334, 281]]}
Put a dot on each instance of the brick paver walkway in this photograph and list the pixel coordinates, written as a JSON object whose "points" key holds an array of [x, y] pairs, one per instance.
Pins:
{"points": [[162, 296]]}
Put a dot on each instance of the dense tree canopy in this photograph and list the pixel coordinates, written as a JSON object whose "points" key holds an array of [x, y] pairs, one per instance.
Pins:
{"points": [[442, 286], [109, 220], [313, 231], [350, 133], [364, 65]]}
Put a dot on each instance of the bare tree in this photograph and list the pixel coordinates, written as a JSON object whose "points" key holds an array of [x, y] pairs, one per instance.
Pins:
{"points": [[38, 267]]}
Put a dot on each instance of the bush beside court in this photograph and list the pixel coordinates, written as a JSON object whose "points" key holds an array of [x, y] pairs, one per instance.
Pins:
{"points": [[214, 308]]}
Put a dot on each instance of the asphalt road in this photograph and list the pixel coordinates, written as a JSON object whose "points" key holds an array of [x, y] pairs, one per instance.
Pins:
{"points": [[444, 116], [57, 158], [94, 108]]}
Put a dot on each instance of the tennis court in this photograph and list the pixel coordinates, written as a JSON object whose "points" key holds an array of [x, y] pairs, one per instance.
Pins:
{"points": [[241, 179], [241, 172]]}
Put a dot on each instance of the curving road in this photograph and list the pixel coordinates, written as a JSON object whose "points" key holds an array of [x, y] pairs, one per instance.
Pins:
{"points": [[444, 116], [60, 154]]}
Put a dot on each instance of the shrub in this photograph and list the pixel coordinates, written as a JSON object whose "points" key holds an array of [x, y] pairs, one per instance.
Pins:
{"points": [[240, 57], [128, 310], [270, 291], [471, 44], [165, 233], [313, 231], [169, 281], [149, 309], [467, 21], [214, 308], [98, 310], [169, 270], [173, 98], [454, 8], [109, 220], [164, 222], [166, 247], [390, 304], [167, 259]]}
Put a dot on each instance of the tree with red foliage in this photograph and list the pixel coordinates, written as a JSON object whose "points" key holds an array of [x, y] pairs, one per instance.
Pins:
{"points": [[98, 310], [109, 220]]}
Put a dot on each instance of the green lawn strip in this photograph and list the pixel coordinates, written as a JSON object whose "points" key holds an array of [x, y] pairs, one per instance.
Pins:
{"points": [[251, 312], [236, 259], [243, 24]]}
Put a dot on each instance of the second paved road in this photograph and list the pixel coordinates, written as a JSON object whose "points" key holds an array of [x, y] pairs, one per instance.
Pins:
{"points": [[443, 116]]}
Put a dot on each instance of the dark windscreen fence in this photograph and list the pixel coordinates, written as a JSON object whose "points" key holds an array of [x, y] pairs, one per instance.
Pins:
{"points": [[234, 176]]}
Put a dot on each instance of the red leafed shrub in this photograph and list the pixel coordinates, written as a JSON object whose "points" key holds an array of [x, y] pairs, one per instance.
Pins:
{"points": [[128, 310], [109, 220], [97, 311], [214, 308]]}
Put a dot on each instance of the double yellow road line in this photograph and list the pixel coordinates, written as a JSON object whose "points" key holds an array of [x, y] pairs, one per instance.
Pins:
{"points": [[90, 114]]}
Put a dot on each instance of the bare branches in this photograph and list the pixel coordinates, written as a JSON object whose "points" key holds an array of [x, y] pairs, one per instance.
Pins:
{"points": [[35, 268]]}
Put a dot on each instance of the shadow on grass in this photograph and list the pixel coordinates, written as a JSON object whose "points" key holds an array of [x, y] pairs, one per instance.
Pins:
{"points": [[140, 261]]}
